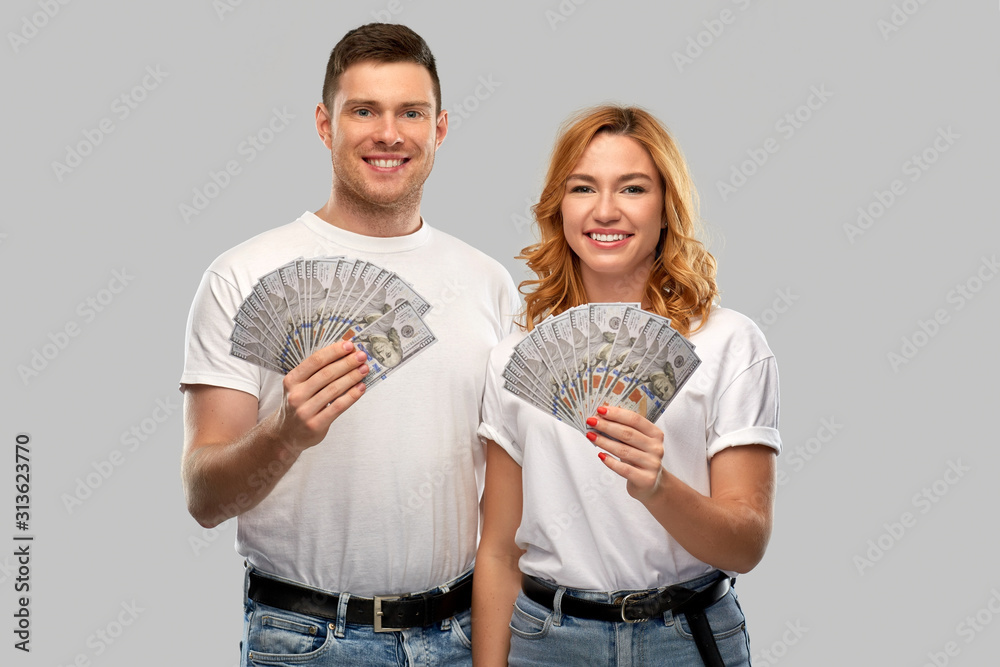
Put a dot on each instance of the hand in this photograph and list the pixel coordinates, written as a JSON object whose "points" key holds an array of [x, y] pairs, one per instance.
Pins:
{"points": [[639, 449], [317, 391]]}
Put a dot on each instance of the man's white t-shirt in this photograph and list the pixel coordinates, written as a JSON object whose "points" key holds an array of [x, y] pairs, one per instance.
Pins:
{"points": [[579, 526], [389, 502]]}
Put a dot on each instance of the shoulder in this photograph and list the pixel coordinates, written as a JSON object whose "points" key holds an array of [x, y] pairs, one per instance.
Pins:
{"points": [[262, 253], [731, 334], [500, 354]]}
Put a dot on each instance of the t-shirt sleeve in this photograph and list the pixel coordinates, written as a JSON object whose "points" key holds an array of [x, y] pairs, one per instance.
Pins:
{"points": [[494, 425], [747, 412], [210, 324]]}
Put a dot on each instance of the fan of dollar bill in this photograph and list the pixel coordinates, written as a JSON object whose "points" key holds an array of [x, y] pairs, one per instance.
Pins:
{"points": [[308, 304], [600, 354]]}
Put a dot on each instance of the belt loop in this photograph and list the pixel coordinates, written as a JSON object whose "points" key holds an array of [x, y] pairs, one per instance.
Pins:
{"points": [[557, 613], [342, 615], [446, 623]]}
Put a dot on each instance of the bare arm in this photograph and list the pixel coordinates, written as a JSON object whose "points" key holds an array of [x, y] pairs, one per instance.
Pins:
{"points": [[497, 578], [729, 529], [230, 462]]}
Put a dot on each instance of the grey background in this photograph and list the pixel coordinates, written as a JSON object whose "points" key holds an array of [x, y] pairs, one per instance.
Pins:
{"points": [[780, 241]]}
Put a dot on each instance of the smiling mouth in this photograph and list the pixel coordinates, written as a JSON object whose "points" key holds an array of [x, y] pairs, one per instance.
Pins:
{"points": [[385, 164], [608, 237]]}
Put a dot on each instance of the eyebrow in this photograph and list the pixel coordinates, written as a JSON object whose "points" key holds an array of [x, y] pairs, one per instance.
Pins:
{"points": [[634, 176], [420, 104]]}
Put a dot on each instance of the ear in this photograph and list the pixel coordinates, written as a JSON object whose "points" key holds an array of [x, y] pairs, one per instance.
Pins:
{"points": [[442, 128], [324, 126]]}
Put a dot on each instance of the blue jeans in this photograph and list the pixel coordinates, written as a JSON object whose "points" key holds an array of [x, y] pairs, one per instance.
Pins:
{"points": [[542, 636], [277, 637]]}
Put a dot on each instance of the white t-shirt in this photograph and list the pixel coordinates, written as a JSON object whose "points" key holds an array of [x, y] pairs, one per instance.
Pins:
{"points": [[389, 501], [579, 526]]}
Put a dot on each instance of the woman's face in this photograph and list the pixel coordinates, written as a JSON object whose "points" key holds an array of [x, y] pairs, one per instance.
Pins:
{"points": [[612, 211]]}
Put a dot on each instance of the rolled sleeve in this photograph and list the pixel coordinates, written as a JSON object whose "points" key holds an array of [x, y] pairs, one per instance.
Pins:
{"points": [[748, 410]]}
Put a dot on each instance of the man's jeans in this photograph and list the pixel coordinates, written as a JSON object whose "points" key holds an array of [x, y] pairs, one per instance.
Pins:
{"points": [[277, 637]]}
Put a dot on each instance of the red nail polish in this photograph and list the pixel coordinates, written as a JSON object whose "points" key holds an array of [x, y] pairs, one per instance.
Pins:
{"points": [[602, 410], [602, 456], [591, 436], [591, 421]]}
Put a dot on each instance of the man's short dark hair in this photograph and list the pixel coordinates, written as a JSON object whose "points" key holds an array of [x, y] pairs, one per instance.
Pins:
{"points": [[382, 43]]}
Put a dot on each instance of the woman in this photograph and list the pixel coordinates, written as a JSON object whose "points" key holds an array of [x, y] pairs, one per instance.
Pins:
{"points": [[659, 516]]}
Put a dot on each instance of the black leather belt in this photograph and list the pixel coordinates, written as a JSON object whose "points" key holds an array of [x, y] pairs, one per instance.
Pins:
{"points": [[386, 613], [644, 605]]}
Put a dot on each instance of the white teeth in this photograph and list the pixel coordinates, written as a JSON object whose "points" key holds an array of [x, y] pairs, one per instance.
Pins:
{"points": [[608, 237], [385, 163]]}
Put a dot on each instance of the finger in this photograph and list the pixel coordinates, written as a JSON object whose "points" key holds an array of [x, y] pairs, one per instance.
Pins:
{"points": [[622, 433], [332, 372], [345, 400], [627, 454], [340, 386], [629, 418], [317, 360]]}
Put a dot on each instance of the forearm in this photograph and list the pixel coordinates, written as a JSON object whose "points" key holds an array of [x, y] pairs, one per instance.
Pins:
{"points": [[497, 582], [727, 533], [226, 479]]}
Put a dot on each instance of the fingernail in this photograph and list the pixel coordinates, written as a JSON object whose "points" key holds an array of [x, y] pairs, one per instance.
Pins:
{"points": [[591, 421], [591, 436], [363, 369], [602, 410], [361, 356], [348, 346], [602, 455]]}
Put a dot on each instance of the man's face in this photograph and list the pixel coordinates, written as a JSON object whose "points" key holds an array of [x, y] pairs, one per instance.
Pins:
{"points": [[383, 132]]}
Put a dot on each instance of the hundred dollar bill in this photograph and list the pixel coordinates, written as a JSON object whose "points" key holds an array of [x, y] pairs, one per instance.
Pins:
{"points": [[534, 351], [605, 321], [548, 341], [628, 332], [391, 341], [625, 374], [667, 378], [518, 378]]}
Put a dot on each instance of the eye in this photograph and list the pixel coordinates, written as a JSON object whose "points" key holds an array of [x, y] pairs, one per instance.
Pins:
{"points": [[364, 113], [412, 114], [581, 188], [634, 190]]}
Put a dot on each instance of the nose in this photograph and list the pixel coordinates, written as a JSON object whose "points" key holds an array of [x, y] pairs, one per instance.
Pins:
{"points": [[387, 131], [606, 207]]}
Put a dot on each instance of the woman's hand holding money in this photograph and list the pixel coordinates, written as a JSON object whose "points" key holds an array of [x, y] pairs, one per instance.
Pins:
{"points": [[638, 445], [319, 390]]}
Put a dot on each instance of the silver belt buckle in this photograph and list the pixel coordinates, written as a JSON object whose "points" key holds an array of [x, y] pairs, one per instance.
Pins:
{"points": [[377, 621], [624, 602]]}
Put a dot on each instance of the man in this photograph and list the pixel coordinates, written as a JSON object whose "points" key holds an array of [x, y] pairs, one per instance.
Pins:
{"points": [[344, 498]]}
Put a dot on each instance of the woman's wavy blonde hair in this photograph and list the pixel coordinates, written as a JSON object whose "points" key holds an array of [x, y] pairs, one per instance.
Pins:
{"points": [[681, 283]]}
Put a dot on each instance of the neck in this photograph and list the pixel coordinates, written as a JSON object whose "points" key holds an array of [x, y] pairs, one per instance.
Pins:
{"points": [[626, 287], [369, 219]]}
